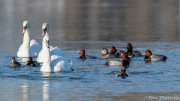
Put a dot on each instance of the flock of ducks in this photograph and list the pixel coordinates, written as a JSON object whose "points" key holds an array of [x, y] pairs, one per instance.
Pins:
{"points": [[53, 59], [124, 57]]}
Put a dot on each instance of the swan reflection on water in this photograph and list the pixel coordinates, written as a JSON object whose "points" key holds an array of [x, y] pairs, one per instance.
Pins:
{"points": [[45, 87], [45, 91], [25, 92], [45, 74]]}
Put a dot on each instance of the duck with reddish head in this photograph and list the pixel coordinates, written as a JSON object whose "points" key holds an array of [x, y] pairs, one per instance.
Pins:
{"points": [[150, 57], [125, 64], [83, 55], [131, 52], [124, 60]]}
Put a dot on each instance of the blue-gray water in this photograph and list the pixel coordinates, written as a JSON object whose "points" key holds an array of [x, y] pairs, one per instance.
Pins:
{"points": [[93, 25], [91, 79]]}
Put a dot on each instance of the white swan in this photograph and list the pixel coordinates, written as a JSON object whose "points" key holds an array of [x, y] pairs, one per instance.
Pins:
{"points": [[45, 35], [53, 50], [28, 48], [52, 56], [53, 63]]}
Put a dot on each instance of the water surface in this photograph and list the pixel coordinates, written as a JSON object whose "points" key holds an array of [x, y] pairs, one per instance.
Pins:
{"points": [[93, 25], [91, 79]]}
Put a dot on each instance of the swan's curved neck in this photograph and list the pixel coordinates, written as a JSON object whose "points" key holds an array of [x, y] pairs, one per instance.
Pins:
{"points": [[26, 43], [45, 38], [26, 38], [46, 66]]}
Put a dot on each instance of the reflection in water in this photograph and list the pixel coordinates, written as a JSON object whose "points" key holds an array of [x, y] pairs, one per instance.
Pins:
{"points": [[25, 92], [45, 91], [46, 74]]}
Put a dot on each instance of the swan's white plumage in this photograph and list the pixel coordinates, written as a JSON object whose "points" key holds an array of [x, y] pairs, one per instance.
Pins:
{"points": [[54, 63], [56, 51], [34, 48], [25, 23], [53, 50], [52, 58], [46, 66], [41, 53], [32, 51], [60, 64], [40, 56], [23, 52], [28, 48]]}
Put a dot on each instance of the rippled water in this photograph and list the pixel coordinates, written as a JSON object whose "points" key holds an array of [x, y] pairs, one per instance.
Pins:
{"points": [[72, 25], [91, 79]]}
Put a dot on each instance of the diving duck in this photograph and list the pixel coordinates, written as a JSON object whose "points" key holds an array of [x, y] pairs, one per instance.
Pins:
{"points": [[150, 57], [32, 63], [124, 61], [14, 63], [83, 55], [131, 52], [122, 74], [113, 52]]}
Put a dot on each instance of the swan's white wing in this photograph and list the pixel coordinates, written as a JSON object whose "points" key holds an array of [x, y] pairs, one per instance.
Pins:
{"points": [[40, 56], [34, 48], [20, 51], [56, 51], [58, 64]]}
